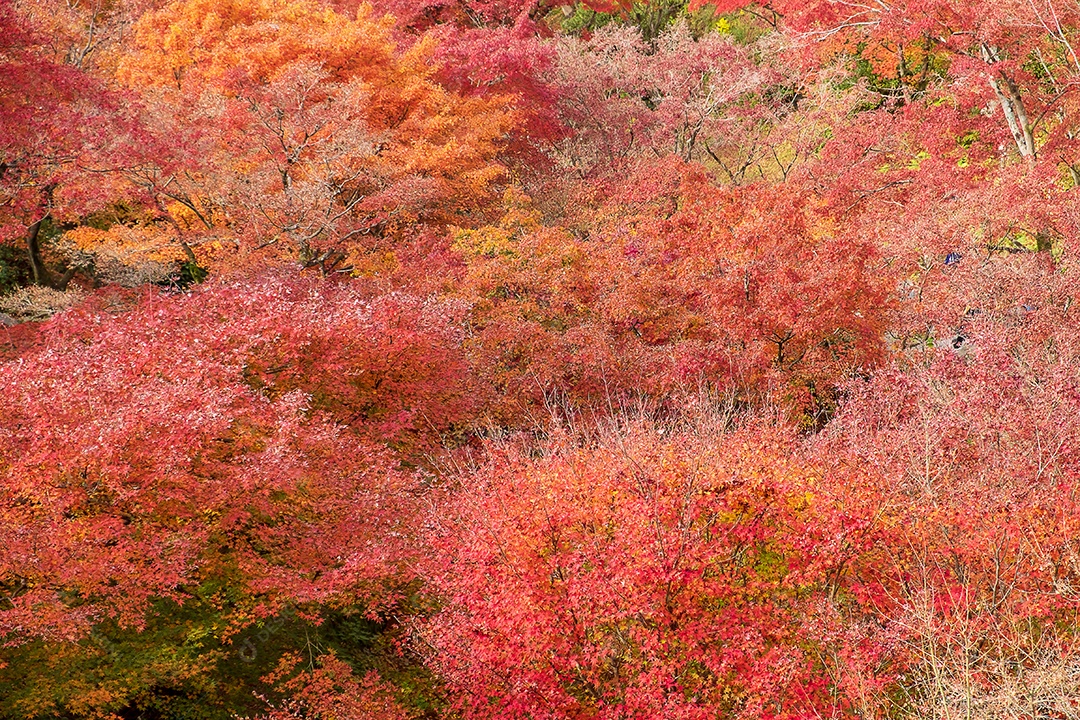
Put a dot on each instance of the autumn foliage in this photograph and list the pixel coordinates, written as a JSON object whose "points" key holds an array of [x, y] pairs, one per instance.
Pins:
{"points": [[646, 574], [538, 359]]}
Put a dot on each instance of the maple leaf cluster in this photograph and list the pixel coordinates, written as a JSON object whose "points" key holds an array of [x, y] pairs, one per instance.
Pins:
{"points": [[542, 359]]}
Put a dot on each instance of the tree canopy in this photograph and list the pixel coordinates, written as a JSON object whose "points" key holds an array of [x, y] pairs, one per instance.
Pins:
{"points": [[539, 359]]}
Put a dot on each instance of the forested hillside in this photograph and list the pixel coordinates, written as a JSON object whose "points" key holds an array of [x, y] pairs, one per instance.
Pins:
{"points": [[539, 360]]}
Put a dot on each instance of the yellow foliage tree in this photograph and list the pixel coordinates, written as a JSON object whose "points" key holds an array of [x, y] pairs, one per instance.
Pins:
{"points": [[309, 128]]}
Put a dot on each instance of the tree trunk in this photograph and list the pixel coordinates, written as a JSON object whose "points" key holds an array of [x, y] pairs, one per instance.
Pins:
{"points": [[42, 275], [1008, 94]]}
